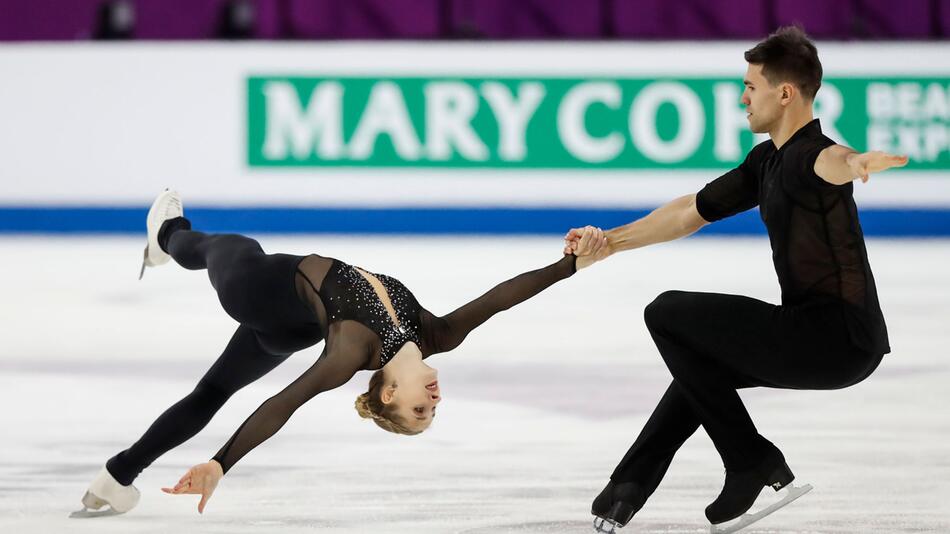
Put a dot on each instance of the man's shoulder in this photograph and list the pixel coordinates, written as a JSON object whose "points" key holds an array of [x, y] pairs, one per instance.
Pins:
{"points": [[810, 145]]}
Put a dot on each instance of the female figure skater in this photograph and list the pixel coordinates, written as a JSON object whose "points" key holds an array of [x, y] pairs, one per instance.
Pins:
{"points": [[287, 303]]}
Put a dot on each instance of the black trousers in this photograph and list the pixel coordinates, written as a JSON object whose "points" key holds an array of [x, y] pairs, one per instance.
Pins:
{"points": [[714, 344], [257, 290]]}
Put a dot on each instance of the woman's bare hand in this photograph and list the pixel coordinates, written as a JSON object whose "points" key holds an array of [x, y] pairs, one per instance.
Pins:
{"points": [[201, 479]]}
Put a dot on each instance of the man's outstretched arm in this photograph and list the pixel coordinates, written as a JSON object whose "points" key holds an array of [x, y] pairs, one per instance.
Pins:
{"points": [[839, 165], [673, 220]]}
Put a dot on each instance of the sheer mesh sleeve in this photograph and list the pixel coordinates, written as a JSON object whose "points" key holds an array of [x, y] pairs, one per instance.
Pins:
{"points": [[442, 334], [806, 153], [331, 370], [733, 192]]}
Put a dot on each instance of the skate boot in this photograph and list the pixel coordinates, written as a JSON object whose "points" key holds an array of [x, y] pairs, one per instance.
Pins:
{"points": [[604, 501], [166, 206], [742, 488], [105, 490], [616, 505]]}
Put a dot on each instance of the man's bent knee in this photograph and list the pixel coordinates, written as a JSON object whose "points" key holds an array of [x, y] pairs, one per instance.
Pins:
{"points": [[664, 308]]}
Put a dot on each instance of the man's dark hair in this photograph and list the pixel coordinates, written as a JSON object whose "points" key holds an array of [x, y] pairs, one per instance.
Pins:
{"points": [[788, 55]]}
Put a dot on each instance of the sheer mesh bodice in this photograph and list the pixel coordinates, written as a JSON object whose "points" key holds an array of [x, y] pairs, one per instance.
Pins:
{"points": [[361, 333]]}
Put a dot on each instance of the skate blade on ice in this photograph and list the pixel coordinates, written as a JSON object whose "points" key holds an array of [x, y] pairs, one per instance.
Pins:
{"points": [[793, 492], [91, 508], [605, 526], [86, 513]]}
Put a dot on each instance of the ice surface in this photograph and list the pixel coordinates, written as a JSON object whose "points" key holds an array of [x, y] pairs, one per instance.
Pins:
{"points": [[540, 403]]}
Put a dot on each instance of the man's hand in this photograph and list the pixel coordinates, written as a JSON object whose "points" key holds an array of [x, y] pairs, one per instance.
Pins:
{"points": [[862, 165], [201, 479], [589, 244]]}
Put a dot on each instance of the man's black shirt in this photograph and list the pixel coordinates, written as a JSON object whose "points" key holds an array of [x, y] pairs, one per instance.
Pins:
{"points": [[817, 244]]}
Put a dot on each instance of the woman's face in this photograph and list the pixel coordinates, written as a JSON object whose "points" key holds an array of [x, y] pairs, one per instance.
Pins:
{"points": [[415, 396]]}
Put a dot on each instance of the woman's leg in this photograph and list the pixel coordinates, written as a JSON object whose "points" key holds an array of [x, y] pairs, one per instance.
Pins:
{"points": [[220, 254], [256, 289], [242, 362]]}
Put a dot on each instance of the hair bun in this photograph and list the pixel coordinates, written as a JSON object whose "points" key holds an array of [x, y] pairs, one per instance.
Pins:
{"points": [[362, 406]]}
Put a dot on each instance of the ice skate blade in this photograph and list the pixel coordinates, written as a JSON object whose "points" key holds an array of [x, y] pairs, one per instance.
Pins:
{"points": [[86, 513], [144, 263], [91, 505], [601, 525], [793, 492]]}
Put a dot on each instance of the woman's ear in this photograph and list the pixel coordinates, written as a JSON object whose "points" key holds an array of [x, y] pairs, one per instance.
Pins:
{"points": [[387, 393]]}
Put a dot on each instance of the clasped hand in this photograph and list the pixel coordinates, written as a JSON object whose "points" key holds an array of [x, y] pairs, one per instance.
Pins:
{"points": [[589, 244]]}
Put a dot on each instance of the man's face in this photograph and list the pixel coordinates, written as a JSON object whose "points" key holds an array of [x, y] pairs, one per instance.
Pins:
{"points": [[763, 102]]}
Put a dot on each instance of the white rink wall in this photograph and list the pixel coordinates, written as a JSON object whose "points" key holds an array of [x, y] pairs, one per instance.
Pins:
{"points": [[91, 126]]}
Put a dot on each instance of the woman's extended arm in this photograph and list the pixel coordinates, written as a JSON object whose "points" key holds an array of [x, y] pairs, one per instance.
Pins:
{"points": [[330, 371], [444, 333]]}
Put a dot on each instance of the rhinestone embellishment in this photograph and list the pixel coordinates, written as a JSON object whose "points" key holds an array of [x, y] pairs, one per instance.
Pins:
{"points": [[365, 305]]}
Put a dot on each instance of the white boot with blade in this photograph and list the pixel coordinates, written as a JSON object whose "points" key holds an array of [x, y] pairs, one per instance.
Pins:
{"points": [[166, 206], [107, 491]]}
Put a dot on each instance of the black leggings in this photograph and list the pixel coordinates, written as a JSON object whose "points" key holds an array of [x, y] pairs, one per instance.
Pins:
{"points": [[714, 344], [257, 290]]}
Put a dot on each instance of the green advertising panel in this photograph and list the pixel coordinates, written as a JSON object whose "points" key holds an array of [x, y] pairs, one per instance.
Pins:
{"points": [[567, 123]]}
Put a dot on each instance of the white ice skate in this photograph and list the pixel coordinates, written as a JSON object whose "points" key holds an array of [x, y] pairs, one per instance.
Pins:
{"points": [[106, 490], [792, 492], [166, 206]]}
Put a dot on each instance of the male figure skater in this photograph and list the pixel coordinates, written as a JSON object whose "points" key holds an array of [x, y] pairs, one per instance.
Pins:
{"points": [[828, 332]]}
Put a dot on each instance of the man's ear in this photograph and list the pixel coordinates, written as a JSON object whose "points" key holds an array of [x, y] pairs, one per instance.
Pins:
{"points": [[788, 91]]}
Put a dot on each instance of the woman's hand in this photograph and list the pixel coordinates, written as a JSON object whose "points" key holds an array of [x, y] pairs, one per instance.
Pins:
{"points": [[589, 244], [201, 479]]}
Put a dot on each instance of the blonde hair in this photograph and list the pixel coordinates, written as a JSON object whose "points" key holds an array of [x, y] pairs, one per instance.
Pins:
{"points": [[370, 406]]}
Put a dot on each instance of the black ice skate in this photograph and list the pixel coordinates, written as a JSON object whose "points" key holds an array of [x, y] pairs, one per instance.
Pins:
{"points": [[742, 488], [616, 505]]}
